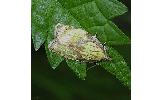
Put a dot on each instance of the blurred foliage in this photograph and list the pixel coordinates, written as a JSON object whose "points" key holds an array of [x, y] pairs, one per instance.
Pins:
{"points": [[61, 84]]}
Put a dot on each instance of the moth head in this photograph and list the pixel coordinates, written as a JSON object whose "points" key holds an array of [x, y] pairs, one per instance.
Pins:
{"points": [[61, 29]]}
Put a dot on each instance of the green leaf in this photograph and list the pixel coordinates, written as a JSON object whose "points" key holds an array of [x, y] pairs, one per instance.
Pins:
{"points": [[118, 67], [110, 34], [41, 21], [38, 38], [53, 58], [93, 16], [78, 67]]}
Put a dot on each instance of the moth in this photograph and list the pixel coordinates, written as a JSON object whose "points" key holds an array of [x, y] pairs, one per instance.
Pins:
{"points": [[77, 44]]}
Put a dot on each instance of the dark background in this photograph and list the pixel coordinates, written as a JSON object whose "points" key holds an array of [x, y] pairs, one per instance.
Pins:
{"points": [[63, 84]]}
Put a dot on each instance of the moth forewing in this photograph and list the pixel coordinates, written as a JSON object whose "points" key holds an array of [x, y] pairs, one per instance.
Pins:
{"points": [[77, 44]]}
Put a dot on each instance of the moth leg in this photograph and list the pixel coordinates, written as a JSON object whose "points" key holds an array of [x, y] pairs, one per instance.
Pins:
{"points": [[96, 64]]}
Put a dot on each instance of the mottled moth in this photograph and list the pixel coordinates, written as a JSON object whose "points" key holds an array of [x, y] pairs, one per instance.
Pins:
{"points": [[77, 44]]}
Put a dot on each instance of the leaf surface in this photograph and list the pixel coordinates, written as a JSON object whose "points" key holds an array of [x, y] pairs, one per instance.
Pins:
{"points": [[118, 67], [93, 16], [78, 68]]}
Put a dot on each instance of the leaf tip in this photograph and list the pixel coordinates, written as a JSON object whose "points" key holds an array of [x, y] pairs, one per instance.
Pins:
{"points": [[36, 49], [54, 67]]}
